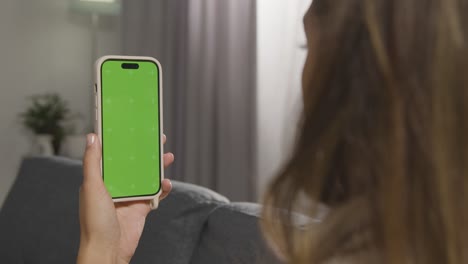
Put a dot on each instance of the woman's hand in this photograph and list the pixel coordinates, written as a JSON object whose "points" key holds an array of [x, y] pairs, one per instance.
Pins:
{"points": [[109, 232]]}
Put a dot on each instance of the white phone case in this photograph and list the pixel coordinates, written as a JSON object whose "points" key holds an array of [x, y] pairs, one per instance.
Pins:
{"points": [[98, 114]]}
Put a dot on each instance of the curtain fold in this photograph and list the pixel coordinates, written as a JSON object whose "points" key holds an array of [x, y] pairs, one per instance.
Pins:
{"points": [[207, 50]]}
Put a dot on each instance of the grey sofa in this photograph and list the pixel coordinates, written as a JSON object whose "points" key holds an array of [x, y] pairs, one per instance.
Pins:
{"points": [[39, 222]]}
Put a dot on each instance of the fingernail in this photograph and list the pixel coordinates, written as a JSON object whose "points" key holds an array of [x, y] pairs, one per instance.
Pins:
{"points": [[90, 139]]}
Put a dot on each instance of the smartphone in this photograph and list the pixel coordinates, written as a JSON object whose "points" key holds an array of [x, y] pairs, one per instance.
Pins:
{"points": [[129, 123]]}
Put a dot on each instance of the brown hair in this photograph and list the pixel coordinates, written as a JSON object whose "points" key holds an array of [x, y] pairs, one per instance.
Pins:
{"points": [[383, 140]]}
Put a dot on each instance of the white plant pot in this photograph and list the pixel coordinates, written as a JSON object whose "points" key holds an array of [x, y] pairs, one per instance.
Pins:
{"points": [[42, 145], [74, 146]]}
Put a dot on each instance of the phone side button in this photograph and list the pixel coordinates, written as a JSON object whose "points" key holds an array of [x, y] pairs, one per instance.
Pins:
{"points": [[95, 114]]}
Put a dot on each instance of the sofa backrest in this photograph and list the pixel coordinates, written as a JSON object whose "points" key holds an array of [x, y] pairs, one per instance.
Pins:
{"points": [[39, 219]]}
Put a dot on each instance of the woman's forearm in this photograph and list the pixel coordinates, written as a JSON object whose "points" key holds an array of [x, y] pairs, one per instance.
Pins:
{"points": [[91, 254]]}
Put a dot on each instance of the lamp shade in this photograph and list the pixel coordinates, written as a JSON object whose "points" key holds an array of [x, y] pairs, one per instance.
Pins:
{"points": [[102, 7]]}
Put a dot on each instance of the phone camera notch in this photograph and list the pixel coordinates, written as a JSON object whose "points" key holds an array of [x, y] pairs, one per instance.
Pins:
{"points": [[130, 66]]}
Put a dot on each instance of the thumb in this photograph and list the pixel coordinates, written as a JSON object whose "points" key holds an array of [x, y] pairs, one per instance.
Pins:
{"points": [[92, 162]]}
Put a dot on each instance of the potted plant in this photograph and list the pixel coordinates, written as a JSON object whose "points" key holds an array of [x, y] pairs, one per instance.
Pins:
{"points": [[45, 117]]}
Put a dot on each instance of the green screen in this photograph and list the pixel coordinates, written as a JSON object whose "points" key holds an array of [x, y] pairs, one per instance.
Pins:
{"points": [[130, 128]]}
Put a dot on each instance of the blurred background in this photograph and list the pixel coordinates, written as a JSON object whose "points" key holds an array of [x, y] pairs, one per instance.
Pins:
{"points": [[231, 81]]}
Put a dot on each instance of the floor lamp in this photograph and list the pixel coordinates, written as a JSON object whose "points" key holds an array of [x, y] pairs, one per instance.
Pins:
{"points": [[95, 9]]}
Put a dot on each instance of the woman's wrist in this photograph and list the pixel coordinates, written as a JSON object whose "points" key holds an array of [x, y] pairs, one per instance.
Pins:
{"points": [[95, 253]]}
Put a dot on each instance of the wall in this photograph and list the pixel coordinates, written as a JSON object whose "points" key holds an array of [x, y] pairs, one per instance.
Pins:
{"points": [[43, 47], [279, 67]]}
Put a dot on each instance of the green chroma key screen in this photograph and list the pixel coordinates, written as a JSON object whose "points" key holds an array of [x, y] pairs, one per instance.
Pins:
{"points": [[130, 128]]}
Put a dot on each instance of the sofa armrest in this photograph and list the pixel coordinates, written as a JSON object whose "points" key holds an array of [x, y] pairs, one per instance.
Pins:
{"points": [[232, 235]]}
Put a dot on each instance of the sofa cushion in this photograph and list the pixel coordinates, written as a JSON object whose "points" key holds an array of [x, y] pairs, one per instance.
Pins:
{"points": [[232, 235]]}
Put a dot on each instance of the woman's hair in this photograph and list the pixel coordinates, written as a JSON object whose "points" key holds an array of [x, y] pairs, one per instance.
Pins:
{"points": [[383, 141]]}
